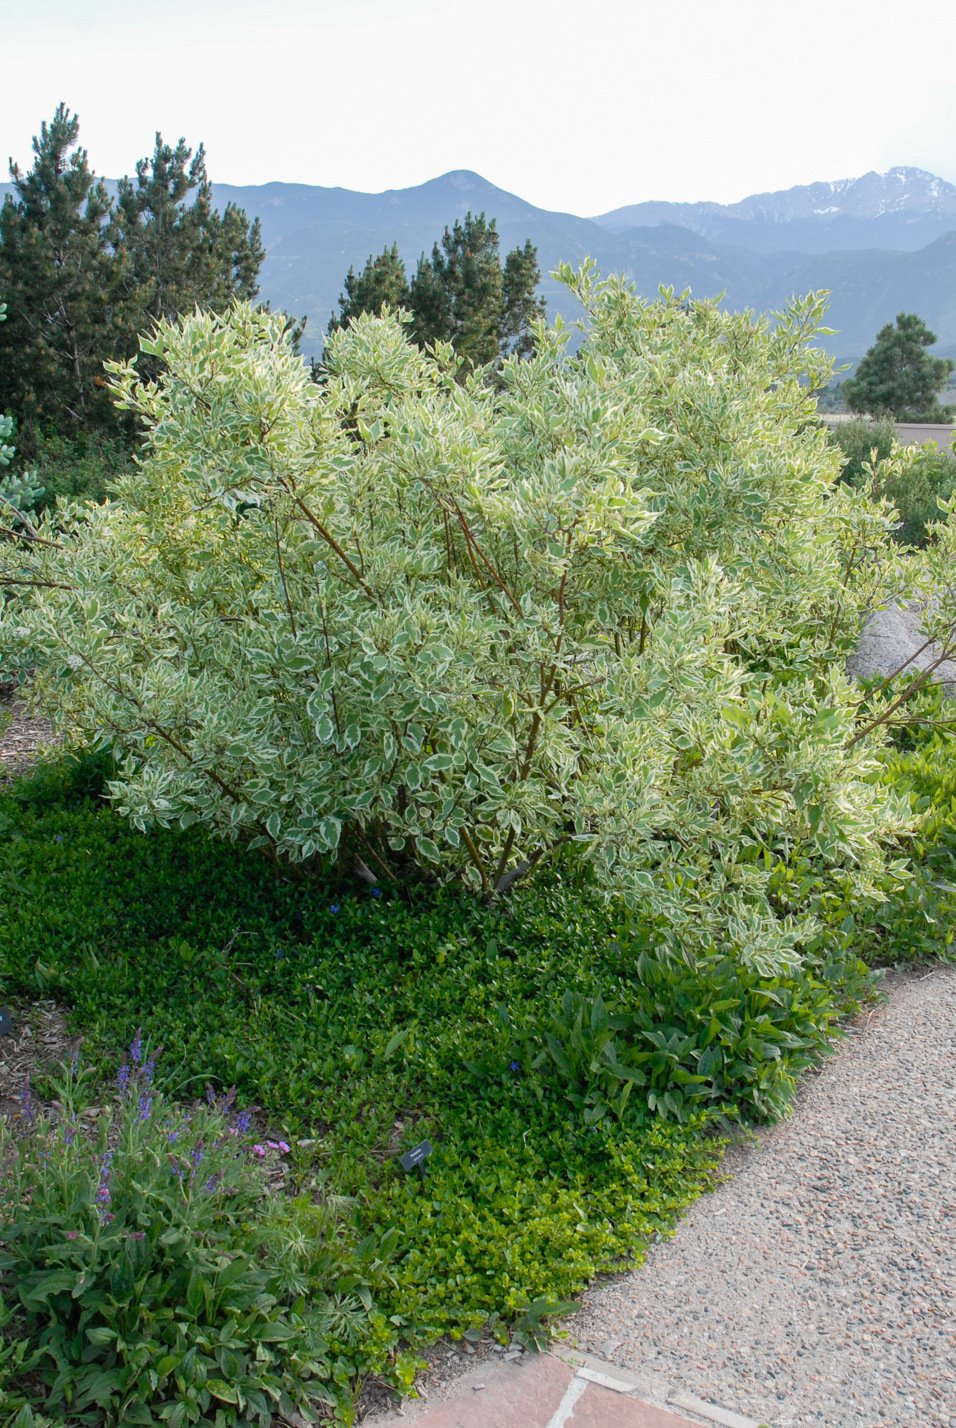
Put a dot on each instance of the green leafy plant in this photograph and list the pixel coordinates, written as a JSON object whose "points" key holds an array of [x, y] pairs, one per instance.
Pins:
{"points": [[148, 1276], [916, 493], [864, 443], [447, 629]]}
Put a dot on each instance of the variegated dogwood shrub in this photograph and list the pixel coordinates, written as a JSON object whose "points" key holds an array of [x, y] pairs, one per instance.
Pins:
{"points": [[428, 622]]}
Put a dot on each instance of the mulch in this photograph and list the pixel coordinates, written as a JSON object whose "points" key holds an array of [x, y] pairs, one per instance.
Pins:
{"points": [[22, 742]]}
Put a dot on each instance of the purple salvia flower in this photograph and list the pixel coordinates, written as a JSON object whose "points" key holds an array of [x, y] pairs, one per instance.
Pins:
{"points": [[145, 1106], [211, 1184], [26, 1102], [243, 1122], [136, 1047], [123, 1077]]}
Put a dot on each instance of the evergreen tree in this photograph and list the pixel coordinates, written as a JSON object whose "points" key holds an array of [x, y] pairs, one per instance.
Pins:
{"points": [[898, 378], [461, 294], [381, 282], [466, 265], [521, 306], [85, 277], [65, 282], [180, 252]]}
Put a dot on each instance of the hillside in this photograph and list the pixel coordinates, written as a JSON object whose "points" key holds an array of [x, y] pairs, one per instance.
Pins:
{"points": [[882, 244]]}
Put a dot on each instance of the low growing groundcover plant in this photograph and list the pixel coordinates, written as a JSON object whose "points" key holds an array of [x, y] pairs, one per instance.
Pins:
{"points": [[149, 1277], [569, 1074]]}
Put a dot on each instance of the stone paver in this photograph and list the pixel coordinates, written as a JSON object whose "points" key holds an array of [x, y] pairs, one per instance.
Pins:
{"points": [[539, 1391], [603, 1408]]}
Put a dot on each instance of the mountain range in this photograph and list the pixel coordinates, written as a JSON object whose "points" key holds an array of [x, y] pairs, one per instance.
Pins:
{"points": [[881, 244]]}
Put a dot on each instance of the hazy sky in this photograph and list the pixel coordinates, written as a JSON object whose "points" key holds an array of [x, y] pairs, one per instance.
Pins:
{"points": [[581, 107]]}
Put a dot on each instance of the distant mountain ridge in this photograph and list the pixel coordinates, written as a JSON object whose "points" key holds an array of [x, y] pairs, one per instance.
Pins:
{"points": [[902, 208], [882, 244]]}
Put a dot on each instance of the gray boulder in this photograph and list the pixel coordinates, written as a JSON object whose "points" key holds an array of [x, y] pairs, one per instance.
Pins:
{"points": [[892, 636]]}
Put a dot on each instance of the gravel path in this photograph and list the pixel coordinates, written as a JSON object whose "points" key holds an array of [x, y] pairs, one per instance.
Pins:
{"points": [[818, 1285]]}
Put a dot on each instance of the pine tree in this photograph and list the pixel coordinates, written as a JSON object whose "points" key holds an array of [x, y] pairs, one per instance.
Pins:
{"points": [[180, 252], [467, 267], [522, 307], [65, 281], [382, 282], [461, 294], [898, 378], [86, 277]]}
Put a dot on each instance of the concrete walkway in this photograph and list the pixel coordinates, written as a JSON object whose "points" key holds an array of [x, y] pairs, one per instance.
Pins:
{"points": [[548, 1391]]}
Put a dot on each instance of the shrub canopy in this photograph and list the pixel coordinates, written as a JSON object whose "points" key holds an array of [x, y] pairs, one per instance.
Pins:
{"points": [[452, 626]]}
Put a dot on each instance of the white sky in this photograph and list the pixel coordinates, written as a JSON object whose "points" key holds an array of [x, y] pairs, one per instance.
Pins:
{"points": [[579, 107]]}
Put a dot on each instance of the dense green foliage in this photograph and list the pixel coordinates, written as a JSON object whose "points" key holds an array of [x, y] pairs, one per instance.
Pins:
{"points": [[898, 378], [19, 490], [462, 294], [917, 491], [446, 629], [362, 1024], [83, 466], [84, 276], [864, 443], [149, 1276], [562, 1064], [914, 489]]}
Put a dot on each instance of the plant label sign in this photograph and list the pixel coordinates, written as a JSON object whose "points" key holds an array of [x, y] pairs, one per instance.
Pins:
{"points": [[6, 1025], [415, 1158]]}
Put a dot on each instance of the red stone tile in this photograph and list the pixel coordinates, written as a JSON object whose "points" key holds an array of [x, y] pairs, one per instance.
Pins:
{"points": [[603, 1408], [517, 1395]]}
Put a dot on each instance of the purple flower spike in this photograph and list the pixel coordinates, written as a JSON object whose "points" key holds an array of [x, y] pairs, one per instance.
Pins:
{"points": [[136, 1047], [145, 1106], [123, 1077], [26, 1102], [243, 1122]]}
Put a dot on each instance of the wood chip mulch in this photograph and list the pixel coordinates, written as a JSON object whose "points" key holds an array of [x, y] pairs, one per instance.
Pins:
{"points": [[22, 742]]}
